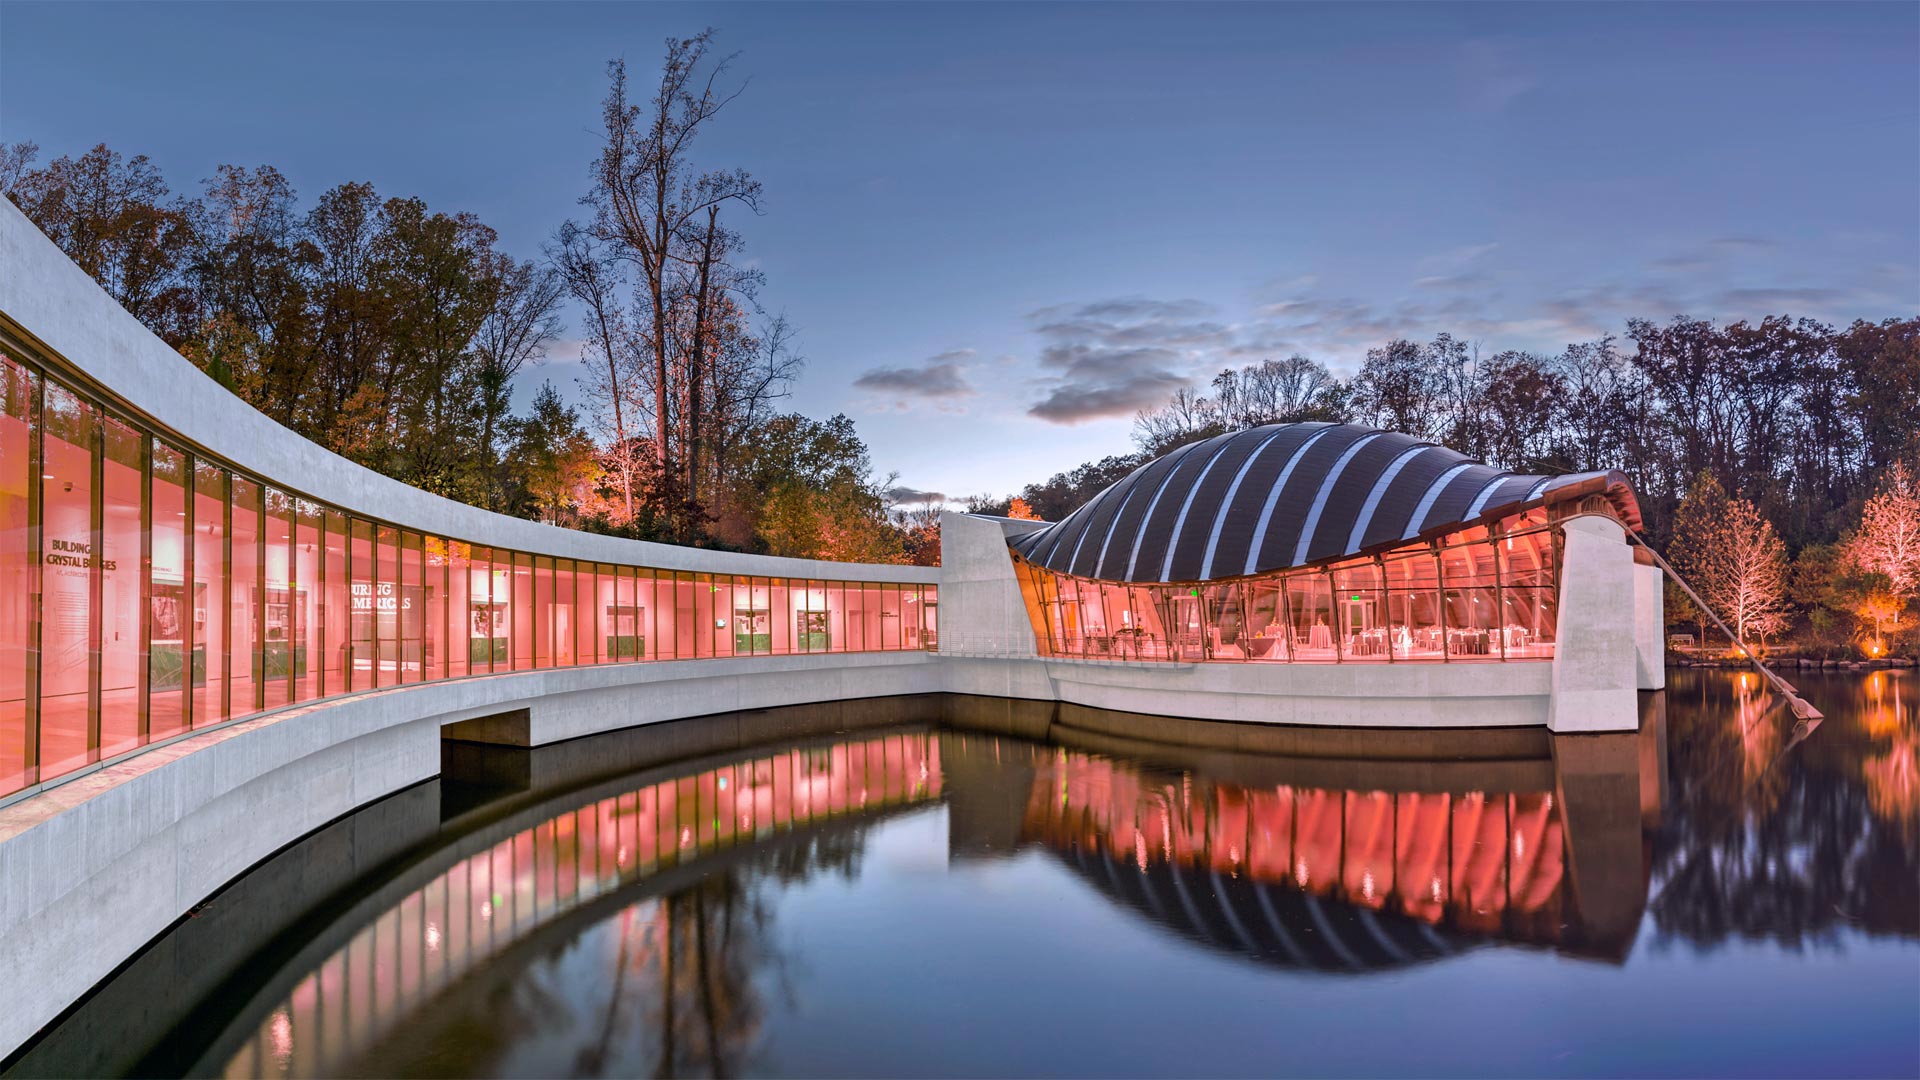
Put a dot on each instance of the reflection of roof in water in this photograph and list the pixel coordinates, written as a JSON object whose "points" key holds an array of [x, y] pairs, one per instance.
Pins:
{"points": [[1404, 876], [1268, 922]]}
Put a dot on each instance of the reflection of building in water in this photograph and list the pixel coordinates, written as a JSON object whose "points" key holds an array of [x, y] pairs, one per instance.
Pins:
{"points": [[495, 897], [1411, 874], [1216, 858]]}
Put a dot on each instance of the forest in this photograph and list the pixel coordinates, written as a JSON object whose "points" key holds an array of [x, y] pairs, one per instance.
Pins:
{"points": [[1775, 459]]}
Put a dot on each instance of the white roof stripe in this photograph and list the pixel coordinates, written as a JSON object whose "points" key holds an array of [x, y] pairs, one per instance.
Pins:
{"points": [[1146, 519], [1480, 500], [1220, 517], [1273, 499], [1173, 462], [1380, 489], [1180, 522], [1433, 494], [1320, 497]]}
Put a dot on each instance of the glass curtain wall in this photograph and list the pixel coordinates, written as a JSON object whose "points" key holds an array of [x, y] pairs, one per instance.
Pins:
{"points": [[1484, 593], [146, 591]]}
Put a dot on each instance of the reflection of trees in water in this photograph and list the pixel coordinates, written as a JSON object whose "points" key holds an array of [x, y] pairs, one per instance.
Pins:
{"points": [[1768, 840], [673, 986]]}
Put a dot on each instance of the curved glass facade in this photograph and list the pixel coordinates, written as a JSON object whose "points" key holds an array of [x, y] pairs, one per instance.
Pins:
{"points": [[1487, 592], [146, 591]]}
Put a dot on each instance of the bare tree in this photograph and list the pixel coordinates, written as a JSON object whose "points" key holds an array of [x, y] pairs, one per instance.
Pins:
{"points": [[657, 216], [608, 349]]}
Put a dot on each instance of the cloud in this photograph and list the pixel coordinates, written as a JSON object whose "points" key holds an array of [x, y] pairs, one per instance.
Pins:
{"points": [[915, 495], [940, 378], [1112, 358], [1495, 74], [1459, 257], [1454, 281], [1755, 303]]}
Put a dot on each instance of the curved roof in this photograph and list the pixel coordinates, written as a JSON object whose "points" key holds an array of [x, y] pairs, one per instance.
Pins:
{"points": [[1286, 495]]}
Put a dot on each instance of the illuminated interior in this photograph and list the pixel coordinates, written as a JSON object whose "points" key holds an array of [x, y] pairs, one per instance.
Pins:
{"points": [[147, 590]]}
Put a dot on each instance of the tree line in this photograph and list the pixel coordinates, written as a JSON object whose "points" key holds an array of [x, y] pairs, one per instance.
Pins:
{"points": [[393, 333]]}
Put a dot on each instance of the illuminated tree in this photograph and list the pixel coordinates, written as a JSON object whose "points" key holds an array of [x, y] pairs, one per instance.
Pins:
{"points": [[1888, 540], [1733, 558], [1018, 510]]}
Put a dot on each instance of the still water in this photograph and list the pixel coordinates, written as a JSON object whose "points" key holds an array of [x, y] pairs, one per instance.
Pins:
{"points": [[919, 888]]}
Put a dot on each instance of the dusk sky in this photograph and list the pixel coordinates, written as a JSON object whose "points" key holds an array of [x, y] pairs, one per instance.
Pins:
{"points": [[1001, 229]]}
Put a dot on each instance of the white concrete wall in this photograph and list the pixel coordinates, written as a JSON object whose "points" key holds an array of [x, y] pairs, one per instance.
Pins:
{"points": [[1596, 672], [1650, 626], [981, 612]]}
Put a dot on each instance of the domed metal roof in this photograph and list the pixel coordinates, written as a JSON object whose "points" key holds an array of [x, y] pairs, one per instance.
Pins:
{"points": [[1287, 495]]}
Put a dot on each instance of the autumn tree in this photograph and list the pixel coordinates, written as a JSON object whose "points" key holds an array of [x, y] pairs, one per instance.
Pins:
{"points": [[1018, 510], [1731, 556], [115, 217], [551, 465], [1887, 546], [812, 484]]}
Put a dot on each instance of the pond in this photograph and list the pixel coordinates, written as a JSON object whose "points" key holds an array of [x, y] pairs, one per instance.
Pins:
{"points": [[957, 887]]}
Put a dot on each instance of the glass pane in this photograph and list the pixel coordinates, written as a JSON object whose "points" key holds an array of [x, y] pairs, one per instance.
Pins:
{"points": [[543, 612], [66, 584], [337, 612], [306, 576], [1413, 604], [623, 620], [837, 622], [169, 612], [565, 635], [19, 413], [434, 585], [647, 595], [361, 651], [412, 610], [1467, 570], [587, 640], [460, 608], [488, 625], [386, 605], [1528, 595], [780, 598], [521, 613], [891, 634], [122, 480], [283, 658], [686, 622], [246, 657], [209, 631]]}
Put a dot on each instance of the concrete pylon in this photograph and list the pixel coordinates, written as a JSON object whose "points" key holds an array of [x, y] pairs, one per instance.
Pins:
{"points": [[1596, 658]]}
